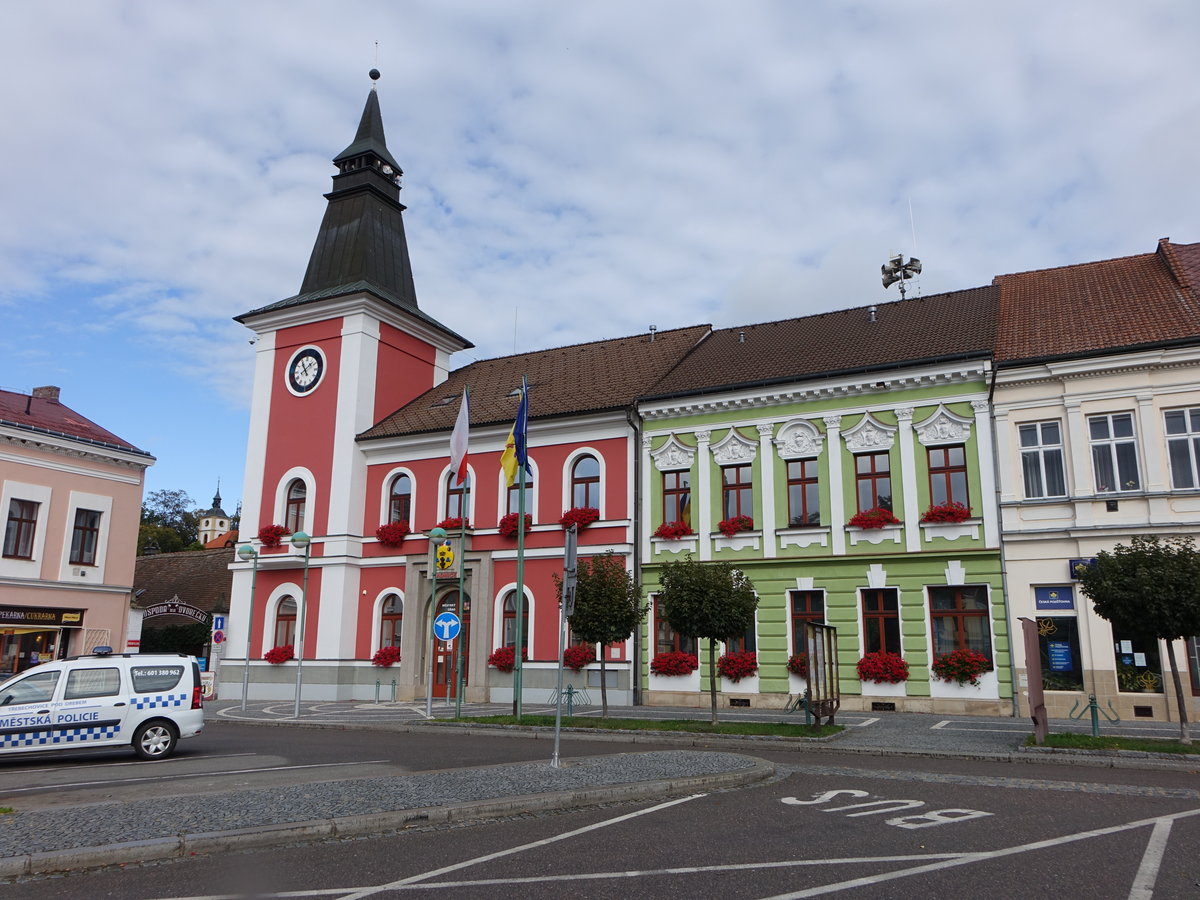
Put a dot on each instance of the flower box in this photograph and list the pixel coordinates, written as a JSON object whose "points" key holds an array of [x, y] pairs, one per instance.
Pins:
{"points": [[454, 523], [882, 668], [272, 535], [674, 663], [508, 524], [281, 654], [730, 527], [876, 517], [797, 664], [736, 666], [392, 534], [673, 531], [578, 657], [386, 656], [505, 659], [946, 512], [579, 516], [961, 666]]}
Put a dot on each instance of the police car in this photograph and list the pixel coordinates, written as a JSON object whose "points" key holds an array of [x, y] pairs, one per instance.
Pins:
{"points": [[144, 700]]}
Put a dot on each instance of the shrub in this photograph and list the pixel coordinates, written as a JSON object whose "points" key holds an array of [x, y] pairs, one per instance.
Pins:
{"points": [[508, 524], [883, 667], [736, 666], [730, 527], [386, 656], [797, 664], [578, 656], [281, 654], [504, 659], [962, 666], [673, 531], [392, 534], [675, 662], [272, 535], [947, 512], [876, 517], [580, 516]]}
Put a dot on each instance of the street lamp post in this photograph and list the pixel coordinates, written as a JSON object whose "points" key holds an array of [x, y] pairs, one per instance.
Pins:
{"points": [[435, 535], [301, 539], [248, 554]]}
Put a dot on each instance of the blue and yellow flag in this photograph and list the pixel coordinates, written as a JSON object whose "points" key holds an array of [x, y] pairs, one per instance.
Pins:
{"points": [[516, 450]]}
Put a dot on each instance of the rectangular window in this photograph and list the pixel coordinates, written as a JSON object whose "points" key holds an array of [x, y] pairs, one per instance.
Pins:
{"points": [[881, 620], [737, 491], [1183, 446], [1139, 670], [458, 498], [804, 506], [948, 475], [1114, 453], [806, 606], [872, 475], [85, 683], [85, 537], [1042, 460], [958, 617], [666, 639], [1058, 641], [1193, 654], [18, 534], [743, 643], [677, 497], [513, 499]]}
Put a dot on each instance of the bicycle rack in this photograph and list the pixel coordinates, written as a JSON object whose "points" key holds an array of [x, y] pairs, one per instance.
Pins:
{"points": [[1094, 708]]}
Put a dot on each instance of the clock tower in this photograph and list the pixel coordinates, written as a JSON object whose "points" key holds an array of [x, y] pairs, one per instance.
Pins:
{"points": [[330, 361]]}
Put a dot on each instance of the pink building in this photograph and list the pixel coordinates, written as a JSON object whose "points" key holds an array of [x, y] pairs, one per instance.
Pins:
{"points": [[71, 499]]}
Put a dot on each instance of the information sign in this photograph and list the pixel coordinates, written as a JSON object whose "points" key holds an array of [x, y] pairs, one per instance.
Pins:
{"points": [[446, 627]]}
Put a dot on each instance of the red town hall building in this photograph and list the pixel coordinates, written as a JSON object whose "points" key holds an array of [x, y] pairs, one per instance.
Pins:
{"points": [[353, 405]]}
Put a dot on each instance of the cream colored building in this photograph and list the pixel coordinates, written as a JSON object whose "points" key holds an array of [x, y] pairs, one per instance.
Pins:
{"points": [[1097, 419]]}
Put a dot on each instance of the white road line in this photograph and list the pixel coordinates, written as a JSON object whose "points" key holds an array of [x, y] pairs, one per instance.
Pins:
{"points": [[1147, 873], [412, 879], [101, 764], [981, 857], [77, 784], [862, 724]]}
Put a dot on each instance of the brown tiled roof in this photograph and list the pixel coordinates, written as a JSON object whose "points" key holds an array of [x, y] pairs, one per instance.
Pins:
{"points": [[581, 378], [1114, 304], [961, 323], [228, 539], [48, 416], [198, 577]]}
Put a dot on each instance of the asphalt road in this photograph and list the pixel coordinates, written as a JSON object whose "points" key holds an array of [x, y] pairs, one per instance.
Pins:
{"points": [[899, 828]]}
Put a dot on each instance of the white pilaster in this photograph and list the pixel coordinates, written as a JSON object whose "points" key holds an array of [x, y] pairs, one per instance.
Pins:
{"points": [[987, 474], [648, 525], [837, 490], [1079, 457], [703, 497], [1152, 437], [767, 465], [908, 479], [256, 441]]}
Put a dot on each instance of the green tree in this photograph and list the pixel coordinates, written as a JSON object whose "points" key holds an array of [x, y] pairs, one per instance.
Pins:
{"points": [[170, 519], [707, 600], [608, 607], [1151, 588]]}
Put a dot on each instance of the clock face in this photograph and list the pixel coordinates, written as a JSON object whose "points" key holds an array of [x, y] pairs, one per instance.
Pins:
{"points": [[304, 371]]}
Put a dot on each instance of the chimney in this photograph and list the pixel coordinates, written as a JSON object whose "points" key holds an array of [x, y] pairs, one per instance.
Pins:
{"points": [[49, 392]]}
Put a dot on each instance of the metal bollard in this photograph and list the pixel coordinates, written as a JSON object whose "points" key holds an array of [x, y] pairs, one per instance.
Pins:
{"points": [[393, 690], [570, 699], [376, 691], [1094, 708]]}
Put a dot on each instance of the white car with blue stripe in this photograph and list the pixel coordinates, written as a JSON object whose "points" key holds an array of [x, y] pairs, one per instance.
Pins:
{"points": [[144, 700]]}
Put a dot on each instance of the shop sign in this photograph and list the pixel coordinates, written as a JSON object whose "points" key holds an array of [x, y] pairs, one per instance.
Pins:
{"points": [[30, 615], [176, 607], [1058, 597]]}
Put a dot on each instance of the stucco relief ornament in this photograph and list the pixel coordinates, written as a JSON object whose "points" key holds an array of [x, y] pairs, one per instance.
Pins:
{"points": [[733, 448], [799, 440], [943, 427], [673, 456], [870, 434]]}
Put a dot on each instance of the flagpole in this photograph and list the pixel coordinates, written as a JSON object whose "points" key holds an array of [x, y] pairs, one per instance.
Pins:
{"points": [[520, 594], [462, 634]]}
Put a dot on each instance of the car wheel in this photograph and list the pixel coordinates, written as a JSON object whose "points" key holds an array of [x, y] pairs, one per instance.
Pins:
{"points": [[154, 740]]}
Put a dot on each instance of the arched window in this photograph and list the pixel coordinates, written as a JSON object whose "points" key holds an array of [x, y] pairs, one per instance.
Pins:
{"points": [[285, 622], [585, 482], [510, 622], [297, 497], [392, 616], [458, 497], [400, 499]]}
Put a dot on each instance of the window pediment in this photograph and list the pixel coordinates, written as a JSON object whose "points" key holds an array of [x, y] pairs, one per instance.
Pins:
{"points": [[673, 456], [943, 427], [799, 440], [733, 448], [869, 434]]}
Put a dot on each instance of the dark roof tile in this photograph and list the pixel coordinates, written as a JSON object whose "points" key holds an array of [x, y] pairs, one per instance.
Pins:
{"points": [[51, 417]]}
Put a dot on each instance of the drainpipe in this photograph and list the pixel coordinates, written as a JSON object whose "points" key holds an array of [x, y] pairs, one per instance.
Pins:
{"points": [[635, 425], [1008, 613]]}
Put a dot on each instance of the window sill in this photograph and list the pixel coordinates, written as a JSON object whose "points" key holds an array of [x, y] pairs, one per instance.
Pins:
{"points": [[889, 533], [803, 537], [742, 540], [950, 531], [675, 545]]}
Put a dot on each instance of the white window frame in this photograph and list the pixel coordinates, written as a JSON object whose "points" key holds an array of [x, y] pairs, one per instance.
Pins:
{"points": [[35, 493], [385, 494], [1109, 447], [310, 498], [1039, 450], [1191, 439]]}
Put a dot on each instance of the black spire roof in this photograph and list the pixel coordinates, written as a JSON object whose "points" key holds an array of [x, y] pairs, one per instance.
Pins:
{"points": [[361, 247]]}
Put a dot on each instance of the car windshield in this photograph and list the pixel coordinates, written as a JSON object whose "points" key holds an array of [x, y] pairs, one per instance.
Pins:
{"points": [[35, 688]]}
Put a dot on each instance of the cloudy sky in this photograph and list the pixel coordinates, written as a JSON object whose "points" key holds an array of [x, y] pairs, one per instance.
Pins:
{"points": [[572, 170]]}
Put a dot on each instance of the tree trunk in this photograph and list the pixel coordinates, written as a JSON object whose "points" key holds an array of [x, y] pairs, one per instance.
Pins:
{"points": [[1184, 736], [603, 685], [712, 677]]}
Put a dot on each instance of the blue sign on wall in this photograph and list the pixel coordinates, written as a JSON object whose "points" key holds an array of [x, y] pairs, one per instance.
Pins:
{"points": [[1059, 653], [1072, 564], [1054, 597]]}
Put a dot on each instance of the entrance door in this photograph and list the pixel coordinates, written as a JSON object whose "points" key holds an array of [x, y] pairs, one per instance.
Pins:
{"points": [[24, 648], [445, 654]]}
